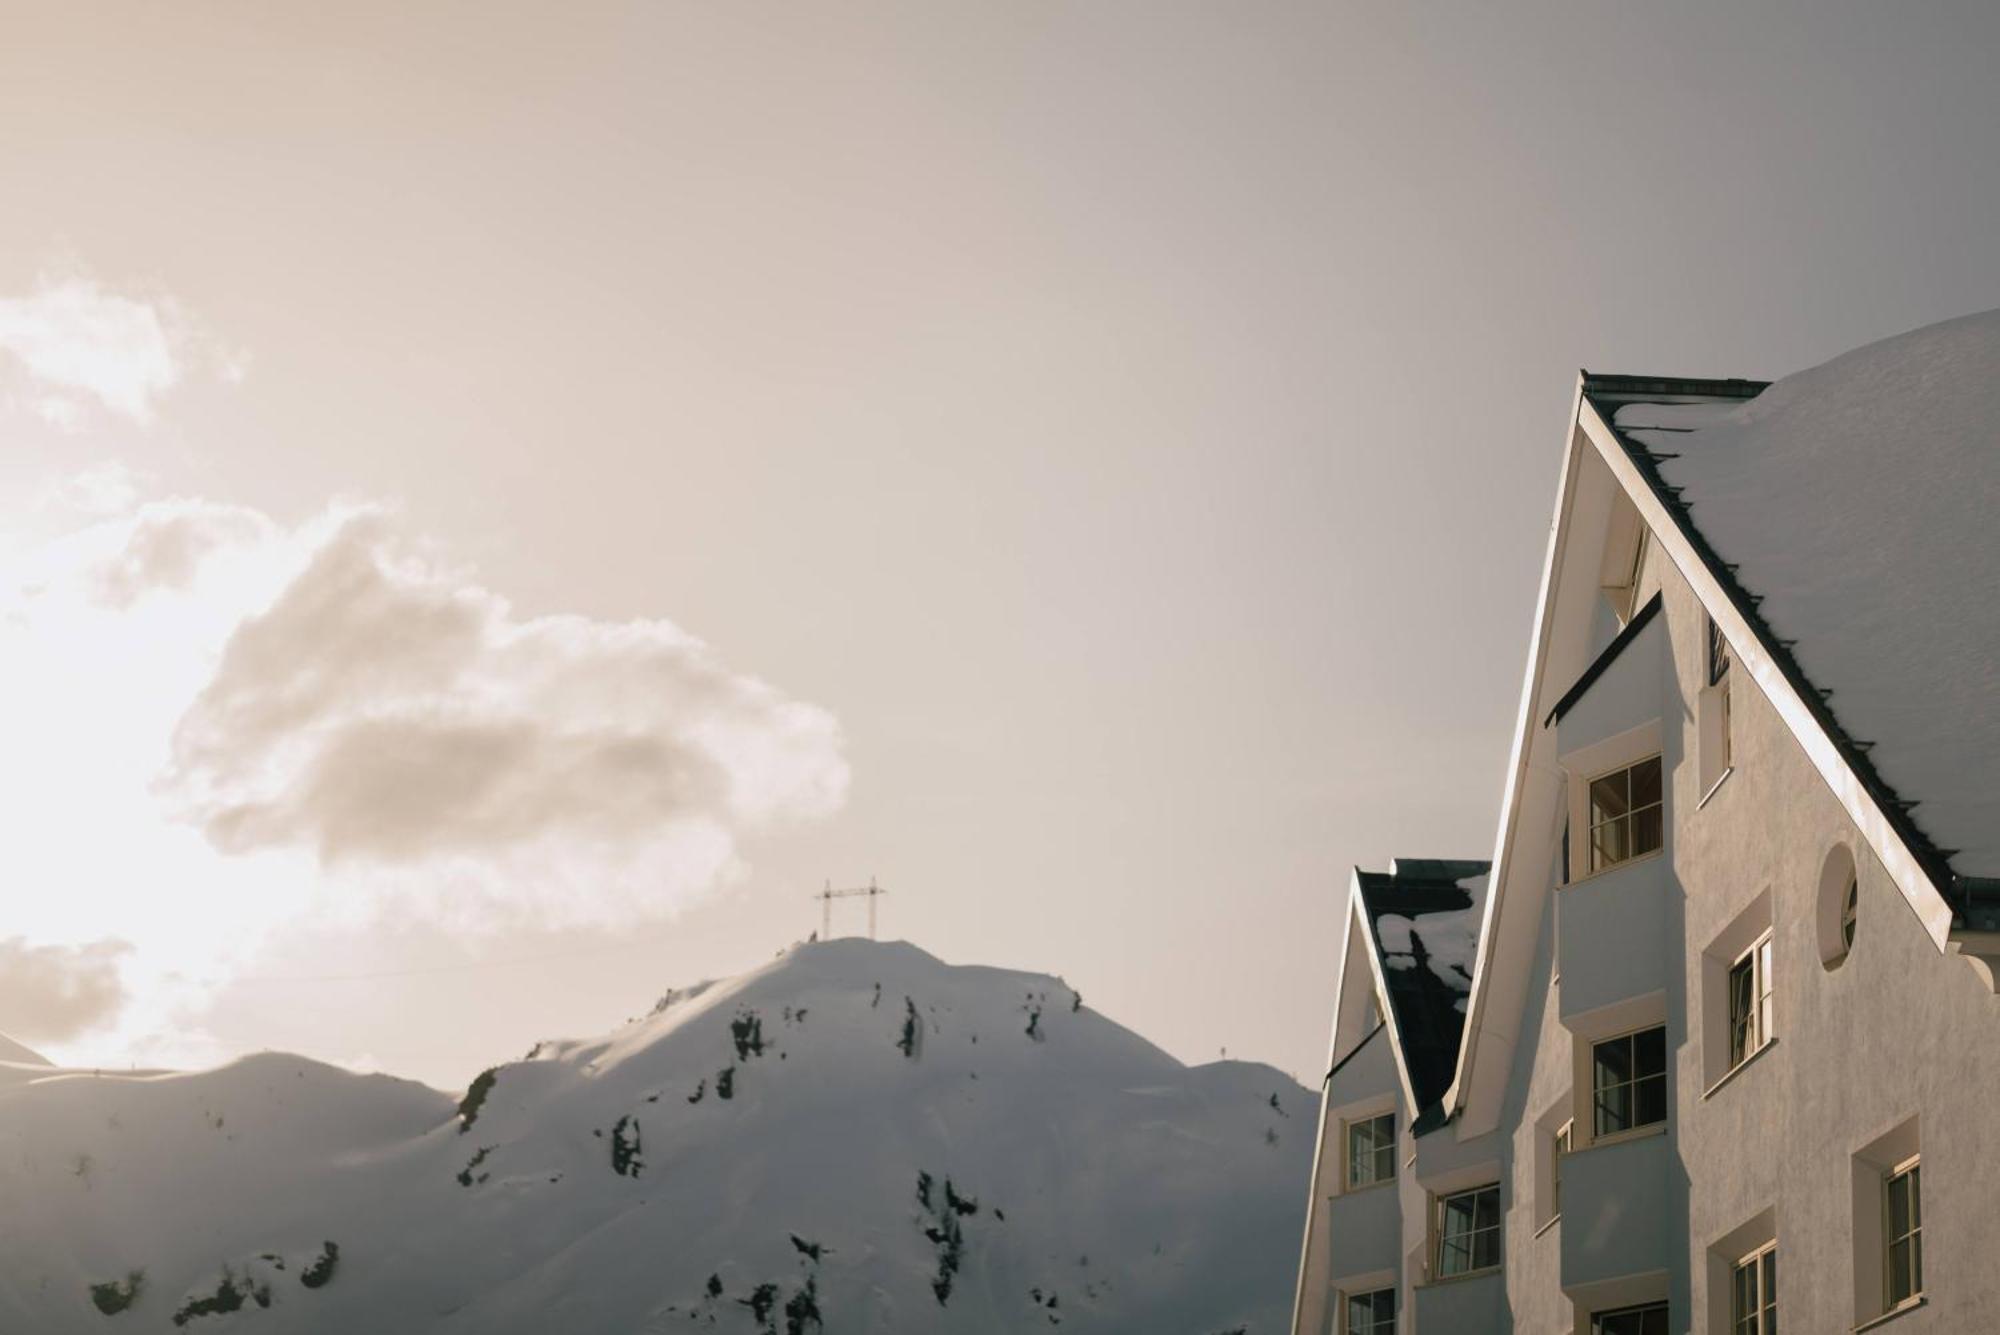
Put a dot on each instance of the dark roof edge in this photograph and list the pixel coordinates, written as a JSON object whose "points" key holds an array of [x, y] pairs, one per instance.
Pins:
{"points": [[1640, 620], [1732, 388], [1956, 891], [1353, 1052]]}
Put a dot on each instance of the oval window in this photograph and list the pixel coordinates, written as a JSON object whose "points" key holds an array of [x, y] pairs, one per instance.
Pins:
{"points": [[1839, 906]]}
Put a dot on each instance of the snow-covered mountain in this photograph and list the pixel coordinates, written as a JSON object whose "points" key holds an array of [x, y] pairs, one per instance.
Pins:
{"points": [[854, 1138]]}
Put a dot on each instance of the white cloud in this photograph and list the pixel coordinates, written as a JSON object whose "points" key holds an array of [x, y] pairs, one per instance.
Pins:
{"points": [[58, 992], [221, 727], [72, 334], [392, 715]]}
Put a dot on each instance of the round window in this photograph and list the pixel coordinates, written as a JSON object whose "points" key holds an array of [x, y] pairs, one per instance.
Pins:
{"points": [[1839, 906]]}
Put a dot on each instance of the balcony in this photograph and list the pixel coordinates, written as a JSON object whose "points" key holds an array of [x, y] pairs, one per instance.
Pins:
{"points": [[1476, 1305], [1617, 938], [1364, 1229], [1617, 1219]]}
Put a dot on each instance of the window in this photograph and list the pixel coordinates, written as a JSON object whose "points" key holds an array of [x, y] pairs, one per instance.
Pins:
{"points": [[1713, 711], [1625, 814], [1838, 906], [1647, 1319], [1718, 655], [1469, 1231], [1904, 1232], [1629, 1081], [1371, 1150], [1557, 1151], [1371, 1313], [1888, 1236], [1753, 1293], [1750, 1002]]}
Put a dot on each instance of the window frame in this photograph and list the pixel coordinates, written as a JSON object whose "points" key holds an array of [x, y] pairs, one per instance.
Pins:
{"points": [[1750, 1031], [1376, 1151], [1562, 1143], [1496, 1231], [1374, 1326], [1598, 1135], [1909, 1170], [1660, 1305], [1761, 1265], [1629, 817]]}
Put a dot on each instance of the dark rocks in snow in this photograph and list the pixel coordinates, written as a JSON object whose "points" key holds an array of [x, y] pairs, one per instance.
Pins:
{"points": [[625, 1147], [913, 1031], [320, 1273], [809, 1250], [714, 1286], [747, 1030], [957, 1204], [802, 1310], [699, 1090], [943, 1231], [465, 1174], [114, 1296], [725, 1083], [475, 1098], [762, 1302], [230, 1293]]}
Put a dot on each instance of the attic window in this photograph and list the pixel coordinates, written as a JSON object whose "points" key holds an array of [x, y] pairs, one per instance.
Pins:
{"points": [[1627, 814], [1714, 711]]}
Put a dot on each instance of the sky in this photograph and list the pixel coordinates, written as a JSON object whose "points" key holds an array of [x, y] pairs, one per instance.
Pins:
{"points": [[499, 504]]}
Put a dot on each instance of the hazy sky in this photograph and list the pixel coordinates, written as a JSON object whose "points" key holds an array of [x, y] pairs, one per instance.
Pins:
{"points": [[500, 503]]}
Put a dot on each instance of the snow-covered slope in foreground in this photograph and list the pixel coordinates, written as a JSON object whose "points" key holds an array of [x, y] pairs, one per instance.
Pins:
{"points": [[854, 1138]]}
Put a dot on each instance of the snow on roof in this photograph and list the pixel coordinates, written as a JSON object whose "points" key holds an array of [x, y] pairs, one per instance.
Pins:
{"points": [[1424, 917], [1857, 501]]}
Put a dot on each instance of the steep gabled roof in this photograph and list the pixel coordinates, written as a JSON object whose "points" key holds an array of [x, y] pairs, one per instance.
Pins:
{"points": [[1423, 920], [1819, 519]]}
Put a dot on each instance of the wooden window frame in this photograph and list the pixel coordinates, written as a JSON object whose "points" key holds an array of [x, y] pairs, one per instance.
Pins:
{"points": [[1497, 1231], [1629, 817], [1598, 1135], [1761, 1318], [1755, 1024], [1909, 1170], [1347, 1326], [1347, 1128]]}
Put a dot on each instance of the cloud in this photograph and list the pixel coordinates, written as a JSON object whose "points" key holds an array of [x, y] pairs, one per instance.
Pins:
{"points": [[222, 729], [72, 334], [55, 992], [399, 720], [167, 544]]}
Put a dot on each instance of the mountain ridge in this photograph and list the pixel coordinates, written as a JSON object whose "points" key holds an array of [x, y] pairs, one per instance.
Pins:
{"points": [[852, 1137]]}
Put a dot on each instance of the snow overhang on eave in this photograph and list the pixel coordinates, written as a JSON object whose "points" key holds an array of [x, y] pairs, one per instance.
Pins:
{"points": [[1920, 869]]}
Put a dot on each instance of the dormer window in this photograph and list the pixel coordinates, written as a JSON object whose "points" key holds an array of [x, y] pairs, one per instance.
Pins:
{"points": [[1627, 814]]}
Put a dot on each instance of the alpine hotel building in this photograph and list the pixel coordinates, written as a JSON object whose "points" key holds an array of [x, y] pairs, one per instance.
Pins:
{"points": [[1711, 1042]]}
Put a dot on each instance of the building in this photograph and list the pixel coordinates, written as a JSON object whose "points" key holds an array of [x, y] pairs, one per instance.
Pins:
{"points": [[1713, 1037]]}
